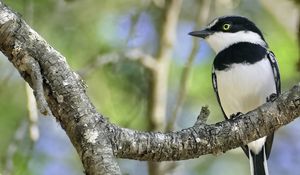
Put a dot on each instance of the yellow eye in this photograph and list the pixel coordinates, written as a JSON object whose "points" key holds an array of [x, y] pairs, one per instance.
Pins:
{"points": [[226, 27]]}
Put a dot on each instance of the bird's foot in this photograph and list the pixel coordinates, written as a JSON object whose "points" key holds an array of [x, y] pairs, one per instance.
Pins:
{"points": [[272, 97], [236, 115]]}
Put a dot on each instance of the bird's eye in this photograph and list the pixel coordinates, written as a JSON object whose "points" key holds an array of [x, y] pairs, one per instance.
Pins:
{"points": [[226, 27]]}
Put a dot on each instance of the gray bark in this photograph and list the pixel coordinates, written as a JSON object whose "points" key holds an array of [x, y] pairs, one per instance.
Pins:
{"points": [[96, 140], [63, 90]]}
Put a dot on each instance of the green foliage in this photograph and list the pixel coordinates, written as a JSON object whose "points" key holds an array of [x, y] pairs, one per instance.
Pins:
{"points": [[123, 98], [12, 111]]}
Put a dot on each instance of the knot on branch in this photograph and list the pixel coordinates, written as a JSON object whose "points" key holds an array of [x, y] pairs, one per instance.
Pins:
{"points": [[32, 68], [202, 117], [295, 98], [297, 102]]}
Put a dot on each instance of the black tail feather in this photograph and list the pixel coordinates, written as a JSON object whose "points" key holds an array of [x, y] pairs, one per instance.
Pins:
{"points": [[258, 162]]}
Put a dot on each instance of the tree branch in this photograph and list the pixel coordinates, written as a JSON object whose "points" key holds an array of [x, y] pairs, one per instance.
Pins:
{"points": [[97, 141], [204, 139], [63, 90]]}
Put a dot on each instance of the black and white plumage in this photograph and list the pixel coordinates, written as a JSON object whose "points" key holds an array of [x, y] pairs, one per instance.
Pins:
{"points": [[245, 74]]}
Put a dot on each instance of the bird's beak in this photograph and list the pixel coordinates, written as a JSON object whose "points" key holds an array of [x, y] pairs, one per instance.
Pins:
{"points": [[202, 33]]}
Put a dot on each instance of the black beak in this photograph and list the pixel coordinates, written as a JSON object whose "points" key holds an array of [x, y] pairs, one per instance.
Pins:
{"points": [[202, 33]]}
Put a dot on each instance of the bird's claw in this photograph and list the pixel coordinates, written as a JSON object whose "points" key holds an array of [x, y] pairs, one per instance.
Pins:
{"points": [[236, 115], [272, 97]]}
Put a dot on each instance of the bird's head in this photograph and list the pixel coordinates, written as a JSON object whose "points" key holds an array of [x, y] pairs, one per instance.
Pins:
{"points": [[227, 30]]}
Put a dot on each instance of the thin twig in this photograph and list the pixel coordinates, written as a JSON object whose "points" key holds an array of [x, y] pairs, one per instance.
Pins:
{"points": [[202, 117]]}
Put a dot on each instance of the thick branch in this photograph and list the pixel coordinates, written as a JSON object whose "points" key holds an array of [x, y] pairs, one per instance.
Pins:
{"points": [[64, 91], [207, 139]]}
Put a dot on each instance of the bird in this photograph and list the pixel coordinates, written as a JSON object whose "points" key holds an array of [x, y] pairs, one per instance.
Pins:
{"points": [[245, 75]]}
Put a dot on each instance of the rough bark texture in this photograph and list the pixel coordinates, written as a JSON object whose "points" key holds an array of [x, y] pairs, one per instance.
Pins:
{"points": [[96, 140], [208, 139], [63, 89]]}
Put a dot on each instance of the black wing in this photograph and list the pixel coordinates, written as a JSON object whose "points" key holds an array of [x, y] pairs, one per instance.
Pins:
{"points": [[276, 74], [215, 86], [275, 69]]}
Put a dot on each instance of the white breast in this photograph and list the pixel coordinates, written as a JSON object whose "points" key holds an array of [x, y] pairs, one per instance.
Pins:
{"points": [[244, 87]]}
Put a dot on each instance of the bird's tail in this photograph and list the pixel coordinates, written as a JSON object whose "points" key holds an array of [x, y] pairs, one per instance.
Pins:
{"points": [[258, 162]]}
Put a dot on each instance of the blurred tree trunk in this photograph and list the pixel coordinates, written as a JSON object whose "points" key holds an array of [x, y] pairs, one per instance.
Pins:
{"points": [[290, 24], [160, 73]]}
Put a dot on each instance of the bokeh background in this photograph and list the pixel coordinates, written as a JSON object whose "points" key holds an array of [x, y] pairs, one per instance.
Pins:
{"points": [[97, 38]]}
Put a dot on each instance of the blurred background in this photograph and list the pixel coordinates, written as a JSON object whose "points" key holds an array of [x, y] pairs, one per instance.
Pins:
{"points": [[110, 43]]}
